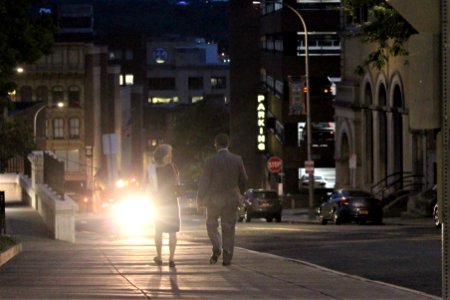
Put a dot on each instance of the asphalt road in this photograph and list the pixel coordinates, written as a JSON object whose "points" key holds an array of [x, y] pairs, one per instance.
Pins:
{"points": [[408, 256], [400, 255]]}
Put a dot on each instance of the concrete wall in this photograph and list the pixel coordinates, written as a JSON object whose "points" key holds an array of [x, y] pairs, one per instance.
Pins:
{"points": [[9, 183], [58, 214]]}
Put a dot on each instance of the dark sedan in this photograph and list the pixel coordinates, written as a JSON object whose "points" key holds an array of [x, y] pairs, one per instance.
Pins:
{"points": [[351, 206], [260, 204]]}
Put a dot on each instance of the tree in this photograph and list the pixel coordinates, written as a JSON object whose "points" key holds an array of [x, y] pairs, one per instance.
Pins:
{"points": [[385, 27], [195, 129], [17, 139], [24, 38]]}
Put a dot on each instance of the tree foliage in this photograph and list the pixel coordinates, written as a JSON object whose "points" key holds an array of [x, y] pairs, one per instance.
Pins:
{"points": [[195, 129], [17, 139], [25, 36], [385, 27]]}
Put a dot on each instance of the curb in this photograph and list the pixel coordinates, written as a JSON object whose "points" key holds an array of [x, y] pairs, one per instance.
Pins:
{"points": [[9, 253]]}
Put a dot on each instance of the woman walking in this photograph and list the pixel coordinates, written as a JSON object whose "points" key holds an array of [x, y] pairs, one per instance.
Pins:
{"points": [[165, 202]]}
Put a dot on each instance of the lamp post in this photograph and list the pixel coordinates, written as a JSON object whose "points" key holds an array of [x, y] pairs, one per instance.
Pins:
{"points": [[36, 114], [311, 213]]}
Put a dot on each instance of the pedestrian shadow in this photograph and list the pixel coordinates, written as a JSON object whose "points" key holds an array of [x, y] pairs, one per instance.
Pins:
{"points": [[165, 284], [173, 277]]}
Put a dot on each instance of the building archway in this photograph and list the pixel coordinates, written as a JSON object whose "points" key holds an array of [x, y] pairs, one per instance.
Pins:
{"points": [[345, 180], [368, 130], [382, 133], [397, 130]]}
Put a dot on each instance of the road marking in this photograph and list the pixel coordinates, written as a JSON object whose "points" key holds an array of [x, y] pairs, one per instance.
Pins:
{"points": [[277, 228]]}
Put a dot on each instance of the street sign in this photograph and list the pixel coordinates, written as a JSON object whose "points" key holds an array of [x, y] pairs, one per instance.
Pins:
{"points": [[309, 167], [275, 164]]}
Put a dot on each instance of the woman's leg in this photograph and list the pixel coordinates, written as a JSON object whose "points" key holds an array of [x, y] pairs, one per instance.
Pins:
{"points": [[172, 245], [158, 243]]}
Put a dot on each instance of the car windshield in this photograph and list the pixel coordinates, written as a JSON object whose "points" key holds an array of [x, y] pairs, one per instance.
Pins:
{"points": [[271, 195]]}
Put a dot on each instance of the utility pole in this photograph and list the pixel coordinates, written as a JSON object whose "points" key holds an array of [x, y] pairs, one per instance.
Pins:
{"points": [[445, 180]]}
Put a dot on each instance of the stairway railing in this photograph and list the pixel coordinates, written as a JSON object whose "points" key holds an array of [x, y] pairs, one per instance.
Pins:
{"points": [[397, 183]]}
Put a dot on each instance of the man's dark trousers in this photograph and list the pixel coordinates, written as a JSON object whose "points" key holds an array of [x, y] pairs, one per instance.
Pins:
{"points": [[227, 216]]}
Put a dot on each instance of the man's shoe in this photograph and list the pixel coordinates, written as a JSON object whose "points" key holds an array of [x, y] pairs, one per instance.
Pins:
{"points": [[226, 264], [214, 257]]}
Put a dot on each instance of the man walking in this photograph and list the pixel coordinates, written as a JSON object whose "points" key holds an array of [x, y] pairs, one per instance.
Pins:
{"points": [[221, 184]]}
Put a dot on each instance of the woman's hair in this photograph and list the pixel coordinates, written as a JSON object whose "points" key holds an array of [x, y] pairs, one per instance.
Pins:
{"points": [[161, 153]]}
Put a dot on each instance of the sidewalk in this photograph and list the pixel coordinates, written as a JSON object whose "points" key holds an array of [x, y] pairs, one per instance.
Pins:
{"points": [[94, 268]]}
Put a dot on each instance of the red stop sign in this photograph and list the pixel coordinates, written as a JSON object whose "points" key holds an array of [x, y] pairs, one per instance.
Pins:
{"points": [[274, 164]]}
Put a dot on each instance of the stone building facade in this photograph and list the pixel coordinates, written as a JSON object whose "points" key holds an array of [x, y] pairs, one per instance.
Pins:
{"points": [[387, 120]]}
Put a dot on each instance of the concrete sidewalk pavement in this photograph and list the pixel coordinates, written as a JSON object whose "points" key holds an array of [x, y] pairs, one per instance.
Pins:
{"points": [[123, 269]]}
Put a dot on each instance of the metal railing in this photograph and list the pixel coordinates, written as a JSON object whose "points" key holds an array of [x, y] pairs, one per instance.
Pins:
{"points": [[398, 183]]}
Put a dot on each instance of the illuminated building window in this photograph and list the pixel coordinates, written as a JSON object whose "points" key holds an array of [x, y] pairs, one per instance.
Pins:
{"points": [[195, 99], [58, 128], [74, 128], [163, 100], [218, 83], [127, 79]]}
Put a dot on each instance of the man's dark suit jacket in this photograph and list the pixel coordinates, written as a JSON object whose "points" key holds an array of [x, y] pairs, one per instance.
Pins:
{"points": [[223, 180]]}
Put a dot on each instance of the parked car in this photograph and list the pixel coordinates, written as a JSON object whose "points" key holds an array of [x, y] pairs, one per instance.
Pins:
{"points": [[434, 203], [437, 221], [351, 205], [319, 181], [259, 203]]}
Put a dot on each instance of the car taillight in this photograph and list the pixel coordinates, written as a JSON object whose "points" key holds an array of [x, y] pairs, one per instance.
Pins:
{"points": [[344, 201]]}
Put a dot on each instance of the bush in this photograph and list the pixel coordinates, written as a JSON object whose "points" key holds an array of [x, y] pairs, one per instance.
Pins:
{"points": [[6, 242]]}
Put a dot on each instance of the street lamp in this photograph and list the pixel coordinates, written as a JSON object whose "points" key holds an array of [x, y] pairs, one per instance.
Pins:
{"points": [[36, 114], [311, 212]]}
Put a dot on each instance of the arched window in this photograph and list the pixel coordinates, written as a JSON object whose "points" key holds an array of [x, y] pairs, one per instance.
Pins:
{"points": [[57, 95], [398, 98], [26, 94], [42, 94], [74, 96]]}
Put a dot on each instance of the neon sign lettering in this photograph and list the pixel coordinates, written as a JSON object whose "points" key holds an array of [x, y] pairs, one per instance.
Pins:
{"points": [[261, 121]]}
